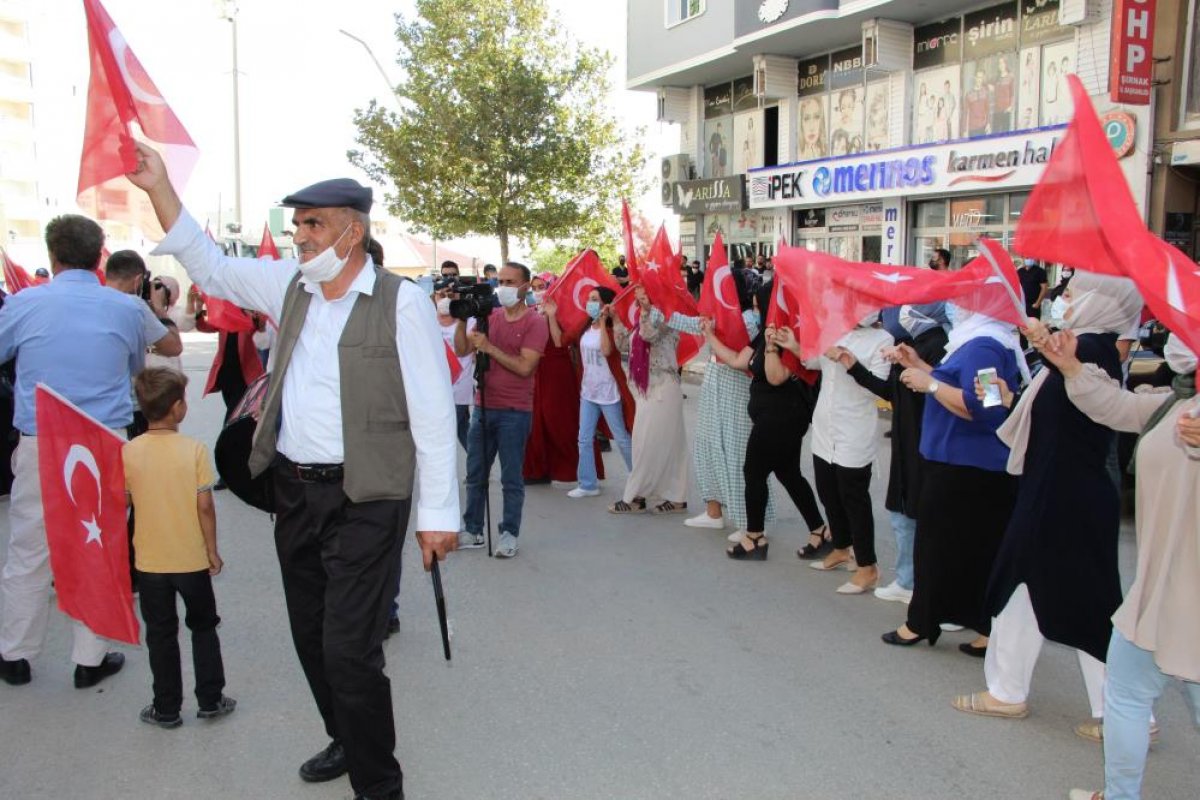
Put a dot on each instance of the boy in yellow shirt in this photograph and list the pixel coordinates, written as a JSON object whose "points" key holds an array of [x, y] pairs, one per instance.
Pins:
{"points": [[169, 479]]}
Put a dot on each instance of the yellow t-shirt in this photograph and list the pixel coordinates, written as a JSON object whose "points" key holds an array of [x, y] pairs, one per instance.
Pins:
{"points": [[163, 474]]}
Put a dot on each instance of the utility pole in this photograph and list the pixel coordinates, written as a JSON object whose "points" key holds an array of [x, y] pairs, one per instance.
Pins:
{"points": [[228, 11]]}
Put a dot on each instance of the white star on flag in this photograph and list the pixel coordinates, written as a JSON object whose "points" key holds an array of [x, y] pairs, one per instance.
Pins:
{"points": [[651, 265], [891, 277], [93, 532]]}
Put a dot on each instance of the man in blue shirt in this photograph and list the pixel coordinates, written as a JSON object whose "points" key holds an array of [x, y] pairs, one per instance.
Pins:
{"points": [[85, 341]]}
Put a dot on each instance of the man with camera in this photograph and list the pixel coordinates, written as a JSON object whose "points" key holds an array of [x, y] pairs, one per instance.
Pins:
{"points": [[449, 269], [509, 341], [126, 272]]}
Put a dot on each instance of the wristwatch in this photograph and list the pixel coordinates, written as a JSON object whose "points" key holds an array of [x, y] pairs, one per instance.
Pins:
{"points": [[933, 387]]}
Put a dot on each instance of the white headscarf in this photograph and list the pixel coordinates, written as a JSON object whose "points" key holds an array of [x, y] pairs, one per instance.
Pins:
{"points": [[1101, 304], [968, 325]]}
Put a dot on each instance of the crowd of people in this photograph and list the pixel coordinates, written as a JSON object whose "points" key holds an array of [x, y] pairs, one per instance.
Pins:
{"points": [[360, 407]]}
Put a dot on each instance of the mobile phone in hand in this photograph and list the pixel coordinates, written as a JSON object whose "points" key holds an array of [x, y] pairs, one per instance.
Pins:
{"points": [[991, 389]]}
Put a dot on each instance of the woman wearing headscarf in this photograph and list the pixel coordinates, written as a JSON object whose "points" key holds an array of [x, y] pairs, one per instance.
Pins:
{"points": [[660, 466], [966, 494], [1156, 631], [780, 410], [926, 326], [1067, 512], [844, 443], [722, 424]]}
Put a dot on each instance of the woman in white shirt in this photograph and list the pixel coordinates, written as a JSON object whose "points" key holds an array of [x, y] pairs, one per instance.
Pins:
{"points": [[598, 393]]}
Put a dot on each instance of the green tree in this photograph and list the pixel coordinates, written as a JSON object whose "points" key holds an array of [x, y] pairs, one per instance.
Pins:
{"points": [[504, 128]]}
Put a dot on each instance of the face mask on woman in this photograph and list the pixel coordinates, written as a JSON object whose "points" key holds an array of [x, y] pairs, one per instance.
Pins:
{"points": [[750, 317], [593, 309]]}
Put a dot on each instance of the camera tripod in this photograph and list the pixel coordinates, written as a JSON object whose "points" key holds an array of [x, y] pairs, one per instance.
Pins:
{"points": [[483, 363]]}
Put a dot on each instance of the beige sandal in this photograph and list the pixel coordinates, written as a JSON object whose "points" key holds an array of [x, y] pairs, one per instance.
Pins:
{"points": [[983, 704]]}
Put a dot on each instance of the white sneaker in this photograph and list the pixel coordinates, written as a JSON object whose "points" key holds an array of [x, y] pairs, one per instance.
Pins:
{"points": [[579, 491], [703, 520], [469, 541], [507, 547], [894, 592], [950, 627]]}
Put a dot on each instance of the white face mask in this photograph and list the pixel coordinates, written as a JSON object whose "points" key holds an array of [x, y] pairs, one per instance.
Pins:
{"points": [[508, 296], [1179, 356], [325, 265], [1070, 309], [443, 306]]}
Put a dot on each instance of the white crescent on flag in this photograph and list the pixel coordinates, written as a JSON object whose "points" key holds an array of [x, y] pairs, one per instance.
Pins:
{"points": [[583, 283], [1174, 291], [719, 278], [633, 316], [120, 48], [79, 455], [780, 299]]}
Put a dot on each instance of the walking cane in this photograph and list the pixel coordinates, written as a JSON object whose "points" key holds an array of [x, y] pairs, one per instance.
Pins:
{"points": [[440, 599]]}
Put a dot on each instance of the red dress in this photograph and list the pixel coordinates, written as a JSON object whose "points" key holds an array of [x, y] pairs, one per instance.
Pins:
{"points": [[552, 450]]}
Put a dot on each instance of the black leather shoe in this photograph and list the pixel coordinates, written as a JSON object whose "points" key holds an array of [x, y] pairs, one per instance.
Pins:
{"points": [[326, 765], [393, 626], [397, 795], [972, 650], [15, 672], [87, 677]]}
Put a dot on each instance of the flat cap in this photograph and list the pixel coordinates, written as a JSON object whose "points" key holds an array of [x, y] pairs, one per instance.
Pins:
{"points": [[335, 193]]}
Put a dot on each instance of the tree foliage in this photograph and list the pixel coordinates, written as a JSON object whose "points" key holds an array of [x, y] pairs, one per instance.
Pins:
{"points": [[503, 130]]}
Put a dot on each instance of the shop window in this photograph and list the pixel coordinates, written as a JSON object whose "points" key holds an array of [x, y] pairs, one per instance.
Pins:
{"points": [[1016, 204], [977, 212], [930, 214], [682, 10]]}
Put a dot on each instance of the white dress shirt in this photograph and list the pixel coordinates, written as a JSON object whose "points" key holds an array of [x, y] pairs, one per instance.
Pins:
{"points": [[311, 418], [846, 417]]}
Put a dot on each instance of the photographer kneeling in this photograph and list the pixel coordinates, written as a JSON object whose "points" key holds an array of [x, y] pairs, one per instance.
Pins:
{"points": [[509, 342]]}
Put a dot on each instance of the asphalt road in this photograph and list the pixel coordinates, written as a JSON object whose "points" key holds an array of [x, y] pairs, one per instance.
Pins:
{"points": [[613, 658]]}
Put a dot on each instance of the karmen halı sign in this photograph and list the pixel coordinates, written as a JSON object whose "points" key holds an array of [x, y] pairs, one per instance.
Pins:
{"points": [[971, 165]]}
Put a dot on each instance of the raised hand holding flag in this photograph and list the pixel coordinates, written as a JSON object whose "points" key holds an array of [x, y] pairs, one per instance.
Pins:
{"points": [[570, 291]]}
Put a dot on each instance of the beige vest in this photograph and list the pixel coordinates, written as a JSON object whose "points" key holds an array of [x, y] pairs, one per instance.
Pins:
{"points": [[379, 453]]}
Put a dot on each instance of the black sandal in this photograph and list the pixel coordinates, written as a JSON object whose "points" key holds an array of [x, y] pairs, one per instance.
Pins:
{"points": [[758, 552], [621, 507], [810, 552]]}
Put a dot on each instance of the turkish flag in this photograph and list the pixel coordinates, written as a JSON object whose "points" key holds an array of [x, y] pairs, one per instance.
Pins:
{"points": [[570, 291], [826, 296], [627, 312], [120, 96], [783, 312], [663, 283], [15, 276], [267, 248], [715, 301], [1081, 213], [83, 501], [222, 314], [631, 257], [456, 368]]}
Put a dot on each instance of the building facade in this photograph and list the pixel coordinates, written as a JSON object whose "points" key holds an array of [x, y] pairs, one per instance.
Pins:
{"points": [[879, 131]]}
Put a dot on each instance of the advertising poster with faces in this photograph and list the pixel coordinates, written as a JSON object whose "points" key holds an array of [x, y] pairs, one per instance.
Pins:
{"points": [[1029, 94], [935, 111], [813, 109], [847, 102], [879, 100], [747, 141], [743, 94], [718, 147], [1057, 61], [989, 95]]}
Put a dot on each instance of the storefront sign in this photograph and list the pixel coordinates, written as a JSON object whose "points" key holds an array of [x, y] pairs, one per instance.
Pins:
{"points": [[937, 44], [990, 30], [844, 218], [744, 98], [1132, 67], [891, 250], [718, 100], [989, 162], [812, 76], [846, 68], [1120, 128], [710, 196], [808, 219], [1039, 22], [872, 215]]}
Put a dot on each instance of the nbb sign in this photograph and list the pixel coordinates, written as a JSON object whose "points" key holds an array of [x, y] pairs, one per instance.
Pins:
{"points": [[1132, 69]]}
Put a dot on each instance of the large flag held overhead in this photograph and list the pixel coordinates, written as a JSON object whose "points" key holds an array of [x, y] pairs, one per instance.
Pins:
{"points": [[123, 101], [570, 292], [826, 297], [719, 299], [661, 278], [15, 276], [83, 500], [1081, 213]]}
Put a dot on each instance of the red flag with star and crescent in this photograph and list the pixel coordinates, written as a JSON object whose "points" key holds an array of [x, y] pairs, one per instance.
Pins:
{"points": [[16, 277], [1082, 213], [121, 95], [267, 247], [570, 292], [719, 299], [83, 500]]}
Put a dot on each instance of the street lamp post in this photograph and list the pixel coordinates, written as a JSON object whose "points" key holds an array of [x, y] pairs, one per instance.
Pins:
{"points": [[228, 11]]}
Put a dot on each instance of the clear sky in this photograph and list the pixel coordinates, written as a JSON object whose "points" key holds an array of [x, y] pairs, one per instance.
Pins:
{"points": [[301, 81]]}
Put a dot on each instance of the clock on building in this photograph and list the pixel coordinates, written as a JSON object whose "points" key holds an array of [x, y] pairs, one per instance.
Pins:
{"points": [[771, 10]]}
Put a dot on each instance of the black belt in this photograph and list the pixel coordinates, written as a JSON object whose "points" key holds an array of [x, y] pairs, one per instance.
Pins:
{"points": [[313, 473]]}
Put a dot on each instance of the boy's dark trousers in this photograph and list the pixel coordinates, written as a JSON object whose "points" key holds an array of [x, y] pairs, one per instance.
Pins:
{"points": [[157, 592]]}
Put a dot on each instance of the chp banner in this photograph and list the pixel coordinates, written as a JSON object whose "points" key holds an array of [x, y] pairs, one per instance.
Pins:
{"points": [[83, 500], [123, 101]]}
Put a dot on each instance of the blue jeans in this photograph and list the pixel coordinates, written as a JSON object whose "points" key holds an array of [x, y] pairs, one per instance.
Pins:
{"points": [[589, 416], [507, 431], [904, 528], [1134, 682]]}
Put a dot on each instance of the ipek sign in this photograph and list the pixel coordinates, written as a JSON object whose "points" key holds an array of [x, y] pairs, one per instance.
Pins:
{"points": [[1132, 69], [990, 162]]}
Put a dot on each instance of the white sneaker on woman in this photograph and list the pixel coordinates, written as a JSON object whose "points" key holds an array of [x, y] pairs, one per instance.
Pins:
{"points": [[579, 491], [894, 592], [703, 520]]}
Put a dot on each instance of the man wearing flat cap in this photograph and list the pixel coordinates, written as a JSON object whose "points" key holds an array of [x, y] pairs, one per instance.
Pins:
{"points": [[359, 400]]}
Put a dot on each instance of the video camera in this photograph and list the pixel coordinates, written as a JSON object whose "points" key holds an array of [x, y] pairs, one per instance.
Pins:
{"points": [[474, 298]]}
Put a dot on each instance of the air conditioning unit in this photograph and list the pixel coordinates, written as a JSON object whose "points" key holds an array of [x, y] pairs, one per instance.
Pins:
{"points": [[1079, 12], [674, 104], [887, 45], [674, 169], [774, 76]]}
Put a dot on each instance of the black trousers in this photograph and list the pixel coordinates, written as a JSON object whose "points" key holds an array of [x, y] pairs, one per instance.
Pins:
{"points": [[774, 447], [846, 494], [340, 563], [157, 591]]}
